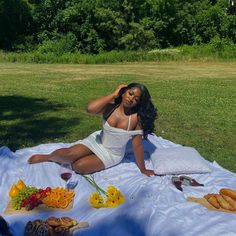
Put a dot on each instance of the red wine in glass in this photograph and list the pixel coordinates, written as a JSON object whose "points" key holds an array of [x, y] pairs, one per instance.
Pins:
{"points": [[66, 176], [66, 172]]}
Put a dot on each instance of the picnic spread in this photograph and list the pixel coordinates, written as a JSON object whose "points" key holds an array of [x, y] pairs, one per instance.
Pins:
{"points": [[186, 204]]}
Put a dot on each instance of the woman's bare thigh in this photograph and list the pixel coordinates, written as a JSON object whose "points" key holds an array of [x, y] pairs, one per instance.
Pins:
{"points": [[88, 164], [78, 151]]}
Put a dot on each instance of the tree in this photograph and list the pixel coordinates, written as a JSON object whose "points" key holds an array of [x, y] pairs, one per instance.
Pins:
{"points": [[15, 22]]}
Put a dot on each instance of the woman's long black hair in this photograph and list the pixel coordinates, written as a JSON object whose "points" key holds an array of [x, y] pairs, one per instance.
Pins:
{"points": [[145, 109]]}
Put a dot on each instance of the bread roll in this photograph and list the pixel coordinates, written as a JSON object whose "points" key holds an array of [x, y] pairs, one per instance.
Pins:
{"points": [[208, 196], [68, 222], [53, 221], [223, 203], [212, 200], [228, 192], [230, 201]]}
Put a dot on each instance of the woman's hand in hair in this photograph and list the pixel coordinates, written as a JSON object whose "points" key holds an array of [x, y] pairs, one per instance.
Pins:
{"points": [[117, 90]]}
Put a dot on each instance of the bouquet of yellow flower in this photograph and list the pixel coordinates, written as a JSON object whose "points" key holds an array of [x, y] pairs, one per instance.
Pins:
{"points": [[113, 197]]}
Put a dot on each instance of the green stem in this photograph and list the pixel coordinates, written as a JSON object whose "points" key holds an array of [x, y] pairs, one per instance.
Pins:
{"points": [[94, 184]]}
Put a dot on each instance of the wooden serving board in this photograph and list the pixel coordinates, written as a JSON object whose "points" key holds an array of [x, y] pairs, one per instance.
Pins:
{"points": [[41, 208], [206, 204], [80, 225]]}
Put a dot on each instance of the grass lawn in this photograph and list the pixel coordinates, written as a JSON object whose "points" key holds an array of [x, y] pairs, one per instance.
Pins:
{"points": [[45, 103]]}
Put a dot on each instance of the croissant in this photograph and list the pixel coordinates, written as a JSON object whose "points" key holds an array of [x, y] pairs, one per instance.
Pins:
{"points": [[53, 221], [68, 222], [230, 201], [223, 203], [228, 192], [211, 198]]}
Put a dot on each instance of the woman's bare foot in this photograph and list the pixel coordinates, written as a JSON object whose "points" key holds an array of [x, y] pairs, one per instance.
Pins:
{"points": [[38, 158]]}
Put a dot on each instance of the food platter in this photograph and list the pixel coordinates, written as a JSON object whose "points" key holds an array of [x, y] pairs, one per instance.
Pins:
{"points": [[40, 208], [32, 200]]}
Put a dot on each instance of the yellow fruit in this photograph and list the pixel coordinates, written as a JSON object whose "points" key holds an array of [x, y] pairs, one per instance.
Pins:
{"points": [[13, 191], [20, 184]]}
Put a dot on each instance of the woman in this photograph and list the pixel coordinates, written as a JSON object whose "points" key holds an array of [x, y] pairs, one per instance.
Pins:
{"points": [[127, 112]]}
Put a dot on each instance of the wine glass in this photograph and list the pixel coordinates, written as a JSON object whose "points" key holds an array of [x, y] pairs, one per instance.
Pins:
{"points": [[72, 183], [66, 172]]}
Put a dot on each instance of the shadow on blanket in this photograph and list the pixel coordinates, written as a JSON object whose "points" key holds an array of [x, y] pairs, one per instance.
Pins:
{"points": [[125, 226], [148, 146]]}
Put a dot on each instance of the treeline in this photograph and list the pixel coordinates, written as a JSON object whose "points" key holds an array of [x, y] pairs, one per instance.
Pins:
{"points": [[94, 26]]}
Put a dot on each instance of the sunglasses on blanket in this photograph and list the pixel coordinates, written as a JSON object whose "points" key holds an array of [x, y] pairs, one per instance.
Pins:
{"points": [[184, 180]]}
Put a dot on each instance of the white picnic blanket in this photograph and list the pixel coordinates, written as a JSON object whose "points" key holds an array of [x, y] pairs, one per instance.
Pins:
{"points": [[153, 207]]}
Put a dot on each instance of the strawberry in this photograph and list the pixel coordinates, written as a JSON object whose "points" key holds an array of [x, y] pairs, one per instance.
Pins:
{"points": [[29, 207], [48, 189]]}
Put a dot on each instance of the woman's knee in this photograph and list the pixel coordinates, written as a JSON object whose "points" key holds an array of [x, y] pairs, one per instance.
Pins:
{"points": [[79, 167], [88, 165]]}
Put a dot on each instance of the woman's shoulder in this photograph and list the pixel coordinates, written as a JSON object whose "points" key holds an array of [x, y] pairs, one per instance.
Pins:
{"points": [[110, 107], [134, 117], [135, 122]]}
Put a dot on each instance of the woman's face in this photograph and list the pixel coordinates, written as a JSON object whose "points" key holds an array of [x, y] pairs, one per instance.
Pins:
{"points": [[131, 97]]}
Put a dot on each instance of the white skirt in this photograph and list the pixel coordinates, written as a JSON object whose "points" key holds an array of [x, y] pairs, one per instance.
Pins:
{"points": [[94, 143]]}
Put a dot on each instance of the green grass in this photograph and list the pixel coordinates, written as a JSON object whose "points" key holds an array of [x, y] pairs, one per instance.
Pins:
{"points": [[41, 103]]}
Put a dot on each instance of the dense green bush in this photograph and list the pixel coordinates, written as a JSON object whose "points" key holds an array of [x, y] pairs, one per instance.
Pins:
{"points": [[60, 46], [94, 26]]}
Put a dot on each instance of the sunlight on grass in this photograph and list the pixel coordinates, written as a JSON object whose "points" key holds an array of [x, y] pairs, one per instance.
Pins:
{"points": [[41, 103]]}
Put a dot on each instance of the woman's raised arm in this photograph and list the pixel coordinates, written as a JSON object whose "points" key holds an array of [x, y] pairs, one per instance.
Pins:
{"points": [[98, 105]]}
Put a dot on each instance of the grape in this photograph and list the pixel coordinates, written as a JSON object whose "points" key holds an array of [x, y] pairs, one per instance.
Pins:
{"points": [[23, 194]]}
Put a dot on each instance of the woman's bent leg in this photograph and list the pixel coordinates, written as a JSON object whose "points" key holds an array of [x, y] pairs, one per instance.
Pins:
{"points": [[88, 165], [62, 155]]}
